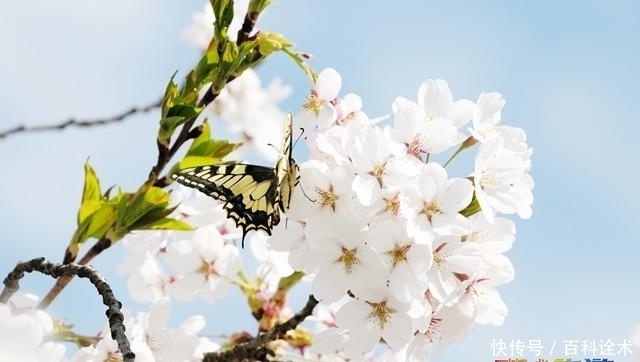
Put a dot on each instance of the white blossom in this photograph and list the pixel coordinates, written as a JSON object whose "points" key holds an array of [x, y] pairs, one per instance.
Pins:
{"points": [[501, 179], [204, 263]]}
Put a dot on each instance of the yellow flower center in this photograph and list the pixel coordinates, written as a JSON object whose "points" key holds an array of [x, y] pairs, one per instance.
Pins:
{"points": [[327, 198], [378, 171], [349, 259], [415, 148], [392, 205], [438, 260], [399, 253], [430, 208], [380, 313], [207, 269], [313, 103]]}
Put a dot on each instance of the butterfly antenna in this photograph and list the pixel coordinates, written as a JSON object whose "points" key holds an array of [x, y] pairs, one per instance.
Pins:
{"points": [[305, 195], [299, 137]]}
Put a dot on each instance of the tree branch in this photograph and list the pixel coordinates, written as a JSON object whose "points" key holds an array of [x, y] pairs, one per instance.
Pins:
{"points": [[249, 23], [83, 123], [256, 348], [114, 314]]}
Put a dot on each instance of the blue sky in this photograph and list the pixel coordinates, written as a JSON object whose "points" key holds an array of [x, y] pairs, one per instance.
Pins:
{"points": [[568, 70]]}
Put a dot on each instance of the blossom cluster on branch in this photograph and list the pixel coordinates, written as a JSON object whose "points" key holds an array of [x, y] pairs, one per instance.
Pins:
{"points": [[402, 253]]}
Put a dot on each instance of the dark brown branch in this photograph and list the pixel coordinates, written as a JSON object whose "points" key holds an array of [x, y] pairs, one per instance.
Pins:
{"points": [[250, 20], [114, 314], [256, 348], [100, 245], [84, 123]]}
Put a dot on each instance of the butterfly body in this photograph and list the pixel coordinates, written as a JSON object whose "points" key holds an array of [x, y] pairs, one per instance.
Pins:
{"points": [[253, 196]]}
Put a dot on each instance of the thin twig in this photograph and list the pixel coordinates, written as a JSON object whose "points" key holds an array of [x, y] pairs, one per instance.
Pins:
{"points": [[83, 123], [114, 314], [255, 349]]}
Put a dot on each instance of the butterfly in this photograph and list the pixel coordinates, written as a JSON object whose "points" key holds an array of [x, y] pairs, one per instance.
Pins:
{"points": [[253, 196]]}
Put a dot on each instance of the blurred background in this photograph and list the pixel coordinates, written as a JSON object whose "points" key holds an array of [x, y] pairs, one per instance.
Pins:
{"points": [[569, 71]]}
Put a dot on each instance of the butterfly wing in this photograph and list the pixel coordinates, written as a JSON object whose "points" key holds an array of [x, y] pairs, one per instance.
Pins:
{"points": [[286, 168], [253, 196], [247, 191]]}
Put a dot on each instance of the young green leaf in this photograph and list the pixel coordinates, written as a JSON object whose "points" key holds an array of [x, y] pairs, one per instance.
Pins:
{"points": [[146, 201], [87, 208], [228, 65], [258, 6], [223, 12], [151, 217], [193, 161], [170, 95], [207, 68], [168, 125], [205, 135], [187, 111], [91, 189], [168, 224], [94, 225], [213, 148], [272, 42]]}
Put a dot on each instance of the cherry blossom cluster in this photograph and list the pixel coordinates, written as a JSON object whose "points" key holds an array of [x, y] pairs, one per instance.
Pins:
{"points": [[392, 246], [398, 249], [24, 331], [27, 331]]}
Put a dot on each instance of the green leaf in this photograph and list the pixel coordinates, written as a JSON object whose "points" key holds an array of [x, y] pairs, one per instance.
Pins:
{"points": [[272, 42], [91, 195], [246, 47], [168, 126], [169, 224], [170, 95], [151, 217], [258, 6], [177, 115], [126, 212], [94, 225], [205, 135], [183, 110], [207, 68], [223, 12], [101, 220], [191, 88], [87, 208], [91, 189], [204, 146], [230, 61], [473, 207], [213, 148], [147, 200], [193, 161]]}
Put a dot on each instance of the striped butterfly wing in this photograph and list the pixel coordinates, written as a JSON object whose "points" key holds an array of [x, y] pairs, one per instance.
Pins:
{"points": [[286, 168], [253, 196], [249, 192]]}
